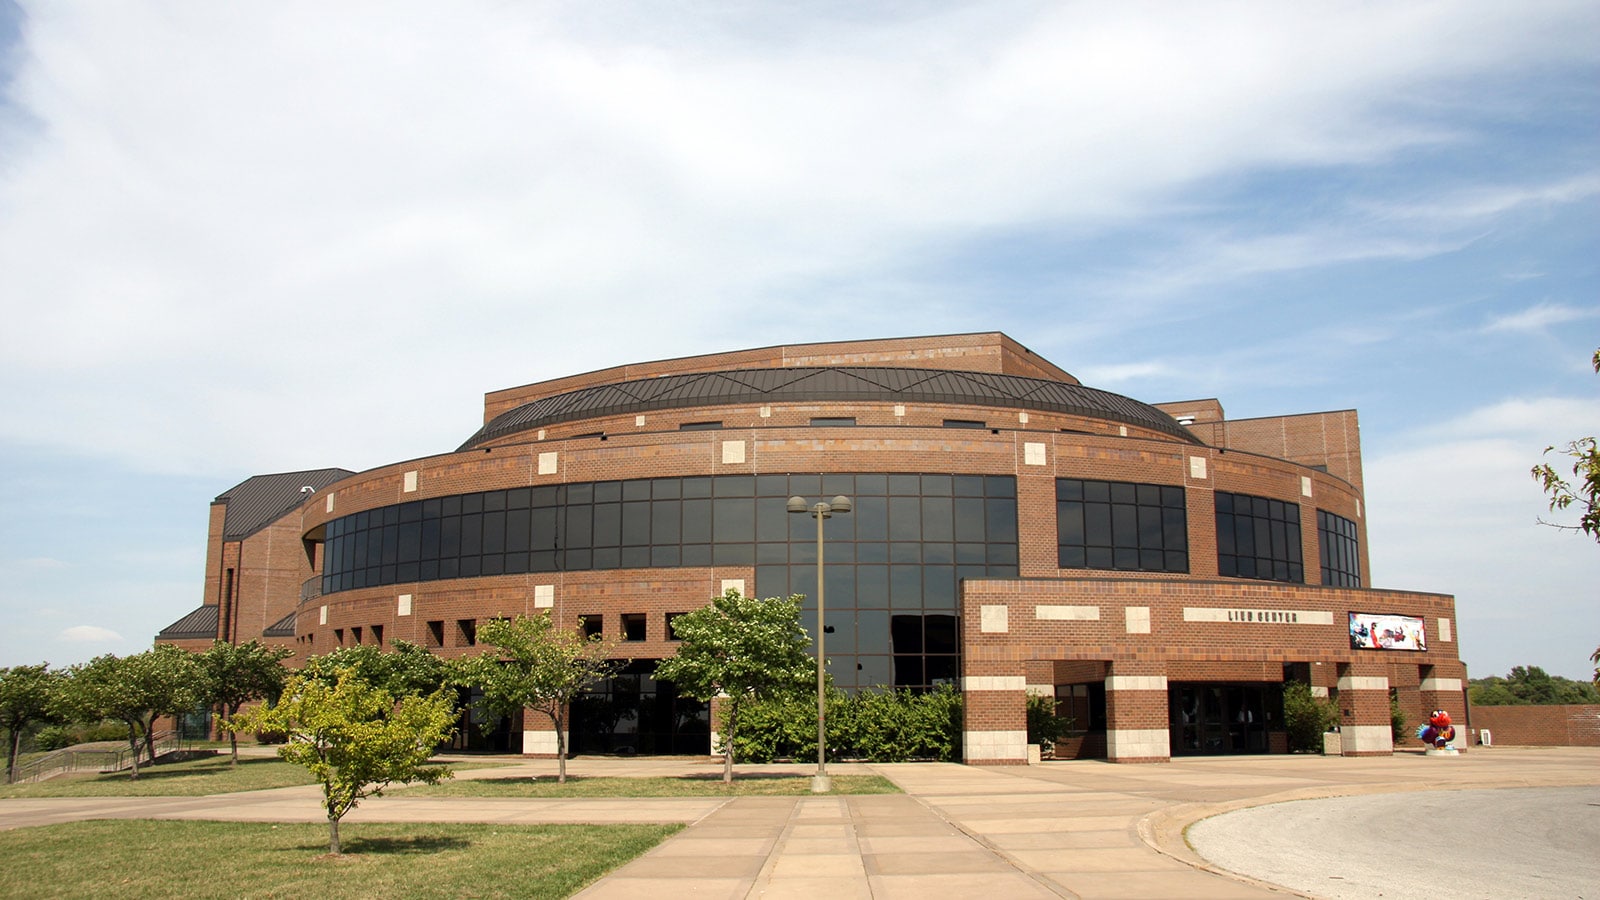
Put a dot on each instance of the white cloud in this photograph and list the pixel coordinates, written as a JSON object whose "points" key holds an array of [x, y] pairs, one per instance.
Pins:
{"points": [[226, 228], [1538, 318], [1452, 508], [89, 634]]}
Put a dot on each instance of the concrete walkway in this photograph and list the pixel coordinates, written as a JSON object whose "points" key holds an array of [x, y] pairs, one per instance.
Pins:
{"points": [[1062, 829]]}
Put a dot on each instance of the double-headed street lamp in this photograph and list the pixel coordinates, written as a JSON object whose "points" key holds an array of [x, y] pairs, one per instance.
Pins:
{"points": [[819, 511]]}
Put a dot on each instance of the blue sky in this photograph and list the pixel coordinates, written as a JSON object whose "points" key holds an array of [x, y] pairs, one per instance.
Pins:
{"points": [[245, 240]]}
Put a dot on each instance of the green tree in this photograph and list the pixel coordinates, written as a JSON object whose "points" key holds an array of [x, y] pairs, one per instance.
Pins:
{"points": [[232, 675], [1306, 716], [535, 665], [134, 690], [1582, 493], [27, 696], [355, 738], [743, 648], [1530, 686], [406, 669]]}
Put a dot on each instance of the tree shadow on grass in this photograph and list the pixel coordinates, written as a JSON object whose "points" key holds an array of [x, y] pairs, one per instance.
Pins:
{"points": [[737, 776], [416, 845]]}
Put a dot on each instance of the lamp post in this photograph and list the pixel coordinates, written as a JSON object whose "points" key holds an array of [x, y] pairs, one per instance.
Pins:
{"points": [[819, 511]]}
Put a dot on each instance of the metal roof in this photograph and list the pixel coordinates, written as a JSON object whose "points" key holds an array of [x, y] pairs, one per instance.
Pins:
{"points": [[284, 627], [801, 384], [202, 623], [257, 502]]}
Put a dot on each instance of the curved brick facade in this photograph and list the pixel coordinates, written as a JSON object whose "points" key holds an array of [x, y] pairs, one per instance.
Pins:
{"points": [[951, 566]]}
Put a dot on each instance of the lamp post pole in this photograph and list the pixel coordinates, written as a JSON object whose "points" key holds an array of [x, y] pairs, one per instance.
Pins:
{"points": [[820, 783]]}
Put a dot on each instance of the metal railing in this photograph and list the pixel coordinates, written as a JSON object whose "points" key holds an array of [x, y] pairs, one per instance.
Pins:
{"points": [[97, 760]]}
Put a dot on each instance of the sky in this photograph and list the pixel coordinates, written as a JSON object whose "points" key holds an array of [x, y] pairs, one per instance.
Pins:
{"points": [[238, 239]]}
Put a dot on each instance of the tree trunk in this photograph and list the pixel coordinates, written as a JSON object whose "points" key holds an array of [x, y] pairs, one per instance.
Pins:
{"points": [[133, 750], [561, 755], [727, 747], [333, 836], [233, 741], [11, 755], [150, 740]]}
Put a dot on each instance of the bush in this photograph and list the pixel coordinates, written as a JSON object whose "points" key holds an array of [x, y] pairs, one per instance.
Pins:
{"points": [[57, 737], [880, 726], [1306, 717], [1044, 726], [1397, 721]]}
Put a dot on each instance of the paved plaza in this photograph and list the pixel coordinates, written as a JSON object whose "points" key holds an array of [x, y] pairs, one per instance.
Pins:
{"points": [[1082, 829]]}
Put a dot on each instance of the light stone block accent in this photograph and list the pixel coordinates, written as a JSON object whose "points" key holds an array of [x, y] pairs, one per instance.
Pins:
{"points": [[322, 615], [1137, 619], [404, 605], [1122, 430], [330, 503], [1127, 743], [995, 745], [541, 434], [1022, 417], [766, 412], [733, 584], [994, 619], [544, 596], [638, 421], [410, 482], [1258, 616], [1319, 692], [1441, 684], [1367, 738], [994, 683], [549, 462], [1197, 467], [1136, 683], [732, 453], [1042, 690], [1033, 454], [899, 410], [1444, 629], [1305, 485], [1364, 683], [540, 742], [1051, 613]]}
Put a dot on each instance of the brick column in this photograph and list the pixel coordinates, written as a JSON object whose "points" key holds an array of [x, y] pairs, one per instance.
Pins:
{"points": [[996, 713], [539, 736], [1364, 709], [1136, 713], [1446, 693]]}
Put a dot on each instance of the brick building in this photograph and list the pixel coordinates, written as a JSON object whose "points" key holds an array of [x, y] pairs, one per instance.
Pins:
{"points": [[1159, 569]]}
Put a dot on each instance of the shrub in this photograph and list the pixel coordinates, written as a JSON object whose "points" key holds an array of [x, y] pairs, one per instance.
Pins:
{"points": [[1044, 726], [1397, 720], [880, 726], [1306, 717]]}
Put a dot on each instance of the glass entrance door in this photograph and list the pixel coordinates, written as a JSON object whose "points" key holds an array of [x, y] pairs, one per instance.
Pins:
{"points": [[1214, 719]]}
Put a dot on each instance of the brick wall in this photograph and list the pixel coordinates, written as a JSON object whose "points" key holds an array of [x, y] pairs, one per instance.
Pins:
{"points": [[1540, 726]]}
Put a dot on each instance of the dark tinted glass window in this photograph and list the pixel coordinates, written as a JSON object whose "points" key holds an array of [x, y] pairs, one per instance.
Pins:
{"points": [[1258, 537], [1339, 548], [1120, 525]]}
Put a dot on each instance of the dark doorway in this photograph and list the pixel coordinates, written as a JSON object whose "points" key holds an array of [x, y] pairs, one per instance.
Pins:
{"points": [[632, 712], [1215, 719]]}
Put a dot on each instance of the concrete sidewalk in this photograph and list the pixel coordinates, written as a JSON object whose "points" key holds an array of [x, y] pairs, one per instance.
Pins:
{"points": [[1063, 829]]}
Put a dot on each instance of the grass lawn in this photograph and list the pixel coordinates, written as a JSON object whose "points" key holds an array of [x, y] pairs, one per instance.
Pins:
{"points": [[191, 778], [688, 786], [156, 859]]}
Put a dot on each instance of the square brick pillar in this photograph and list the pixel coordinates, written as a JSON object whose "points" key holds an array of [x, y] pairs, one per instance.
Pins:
{"points": [[1364, 709], [539, 735], [1444, 687], [1136, 713], [995, 708]]}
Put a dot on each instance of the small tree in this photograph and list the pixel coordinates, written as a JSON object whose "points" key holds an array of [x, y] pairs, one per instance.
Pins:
{"points": [[134, 690], [406, 669], [1044, 726], [1306, 716], [535, 665], [1583, 492], [235, 674], [743, 648], [27, 695], [355, 738]]}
